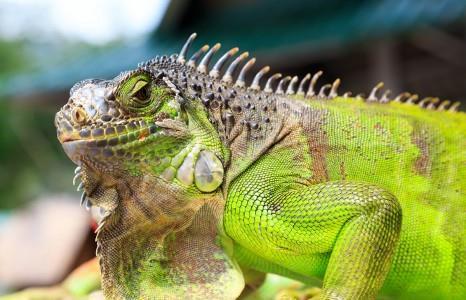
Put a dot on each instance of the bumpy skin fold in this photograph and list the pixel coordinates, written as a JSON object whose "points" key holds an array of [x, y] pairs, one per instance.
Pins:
{"points": [[203, 180]]}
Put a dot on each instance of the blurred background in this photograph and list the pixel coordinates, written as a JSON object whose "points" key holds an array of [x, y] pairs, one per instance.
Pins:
{"points": [[48, 45]]}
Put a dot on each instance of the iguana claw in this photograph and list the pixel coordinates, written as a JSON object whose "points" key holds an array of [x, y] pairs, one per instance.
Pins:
{"points": [[83, 199], [76, 177], [87, 205]]}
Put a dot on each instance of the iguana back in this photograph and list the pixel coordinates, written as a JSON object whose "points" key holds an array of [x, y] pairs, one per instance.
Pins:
{"points": [[417, 154]]}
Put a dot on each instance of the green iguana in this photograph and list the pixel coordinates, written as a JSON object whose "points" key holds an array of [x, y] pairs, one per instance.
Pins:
{"points": [[205, 180]]}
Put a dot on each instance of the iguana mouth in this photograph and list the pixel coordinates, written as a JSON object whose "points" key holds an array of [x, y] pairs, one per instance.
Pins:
{"points": [[105, 134], [110, 136], [106, 142]]}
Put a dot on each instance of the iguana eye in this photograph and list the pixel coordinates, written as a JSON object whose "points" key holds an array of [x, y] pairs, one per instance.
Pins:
{"points": [[141, 93], [135, 93]]}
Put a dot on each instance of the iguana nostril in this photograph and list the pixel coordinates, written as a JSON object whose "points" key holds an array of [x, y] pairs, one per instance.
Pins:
{"points": [[78, 115]]}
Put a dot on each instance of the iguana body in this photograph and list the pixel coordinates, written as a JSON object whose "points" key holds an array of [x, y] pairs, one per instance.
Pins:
{"points": [[204, 179]]}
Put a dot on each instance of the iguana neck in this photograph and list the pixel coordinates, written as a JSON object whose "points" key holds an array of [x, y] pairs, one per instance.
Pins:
{"points": [[249, 122], [136, 234], [152, 209]]}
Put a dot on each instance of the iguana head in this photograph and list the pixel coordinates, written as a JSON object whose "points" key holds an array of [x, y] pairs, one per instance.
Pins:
{"points": [[108, 122], [139, 124]]}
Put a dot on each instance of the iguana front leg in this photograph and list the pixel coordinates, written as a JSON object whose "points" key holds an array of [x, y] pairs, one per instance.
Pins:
{"points": [[346, 232], [364, 247]]}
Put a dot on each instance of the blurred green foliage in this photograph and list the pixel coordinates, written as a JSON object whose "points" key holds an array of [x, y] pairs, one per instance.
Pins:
{"points": [[14, 58], [32, 163], [29, 151], [31, 160]]}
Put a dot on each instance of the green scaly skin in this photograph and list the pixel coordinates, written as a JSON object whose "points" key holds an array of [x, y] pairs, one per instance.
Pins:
{"points": [[205, 182]]}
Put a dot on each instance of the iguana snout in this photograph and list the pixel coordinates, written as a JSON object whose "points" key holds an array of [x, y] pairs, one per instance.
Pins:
{"points": [[94, 123]]}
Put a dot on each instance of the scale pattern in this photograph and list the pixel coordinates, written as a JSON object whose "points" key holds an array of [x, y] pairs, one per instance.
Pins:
{"points": [[202, 176]]}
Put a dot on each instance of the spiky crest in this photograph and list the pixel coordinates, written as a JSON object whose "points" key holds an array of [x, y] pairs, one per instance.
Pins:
{"points": [[287, 85]]}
